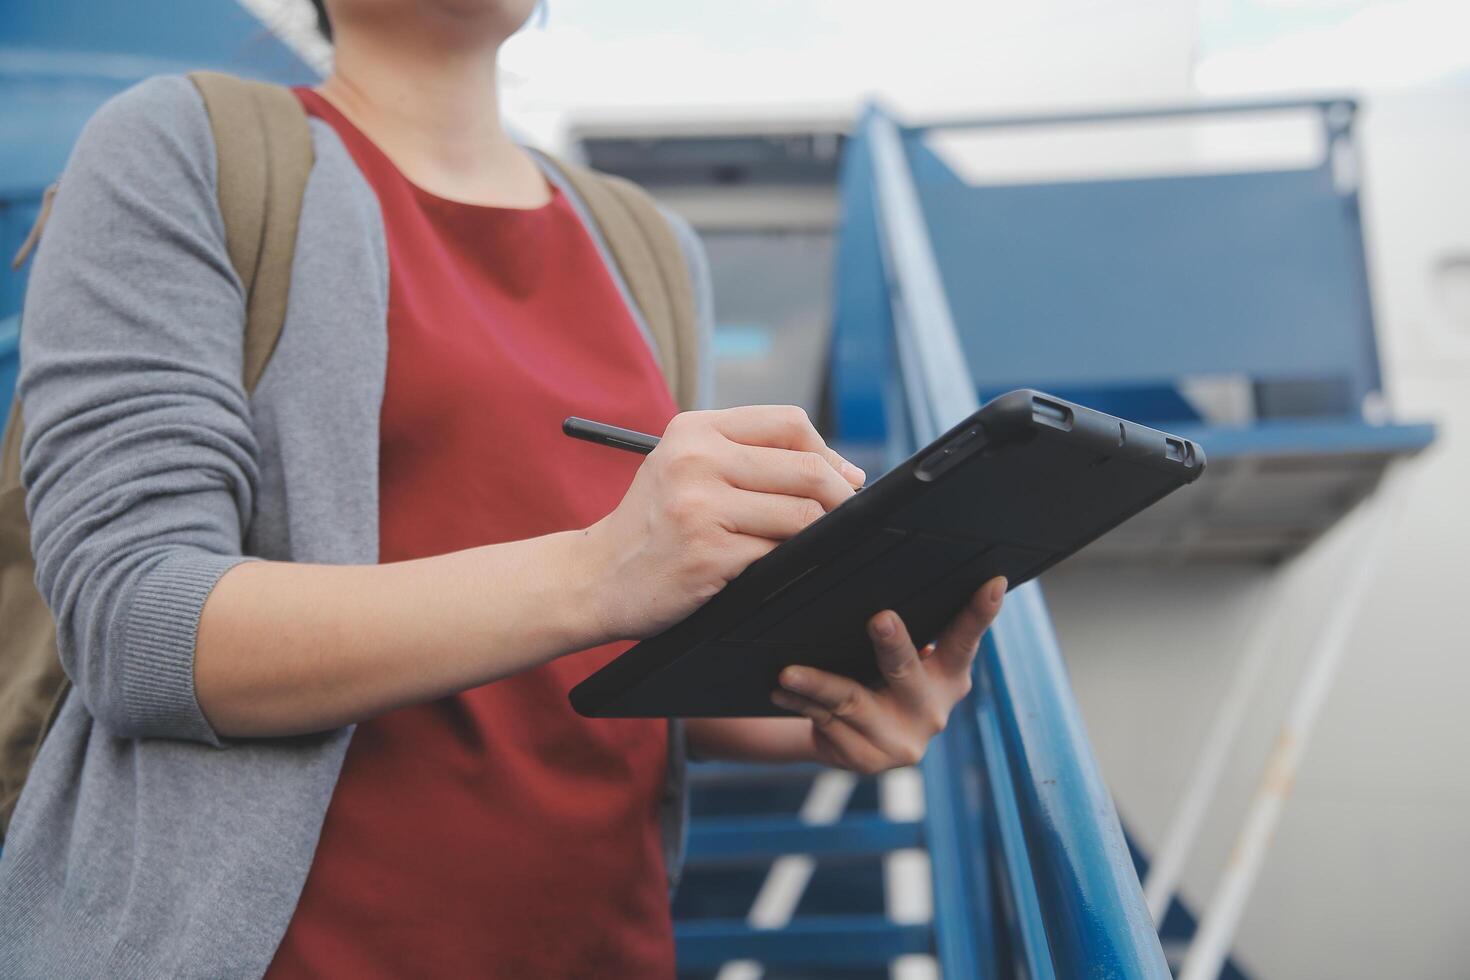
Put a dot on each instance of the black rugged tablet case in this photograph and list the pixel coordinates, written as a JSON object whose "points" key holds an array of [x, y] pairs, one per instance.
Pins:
{"points": [[1021, 484]]}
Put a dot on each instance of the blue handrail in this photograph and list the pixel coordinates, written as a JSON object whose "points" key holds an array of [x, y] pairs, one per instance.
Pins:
{"points": [[9, 362], [1039, 814]]}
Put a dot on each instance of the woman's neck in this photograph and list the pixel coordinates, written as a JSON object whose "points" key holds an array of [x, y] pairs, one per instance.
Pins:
{"points": [[436, 114]]}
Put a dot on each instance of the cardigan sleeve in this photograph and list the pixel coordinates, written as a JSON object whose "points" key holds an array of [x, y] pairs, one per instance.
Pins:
{"points": [[138, 457]]}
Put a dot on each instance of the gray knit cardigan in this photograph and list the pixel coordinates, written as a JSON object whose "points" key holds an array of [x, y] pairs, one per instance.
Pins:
{"points": [[145, 845]]}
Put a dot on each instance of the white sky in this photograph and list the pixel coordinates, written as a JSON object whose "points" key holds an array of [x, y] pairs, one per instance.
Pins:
{"points": [[631, 59], [791, 56], [1271, 45]]}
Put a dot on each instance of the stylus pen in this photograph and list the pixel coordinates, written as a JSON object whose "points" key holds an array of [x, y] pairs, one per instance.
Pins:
{"points": [[609, 435]]}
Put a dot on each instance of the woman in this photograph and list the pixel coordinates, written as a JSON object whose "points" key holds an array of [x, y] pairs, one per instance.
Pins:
{"points": [[353, 755]]}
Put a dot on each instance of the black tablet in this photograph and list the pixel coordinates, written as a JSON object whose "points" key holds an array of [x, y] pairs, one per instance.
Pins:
{"points": [[1018, 486]]}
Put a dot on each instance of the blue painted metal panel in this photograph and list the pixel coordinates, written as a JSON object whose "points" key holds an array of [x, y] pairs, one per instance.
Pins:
{"points": [[61, 59], [1150, 280], [118, 38], [1135, 283], [826, 941]]}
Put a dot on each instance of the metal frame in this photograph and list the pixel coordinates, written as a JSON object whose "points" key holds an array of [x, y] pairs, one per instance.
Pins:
{"points": [[1337, 104]]}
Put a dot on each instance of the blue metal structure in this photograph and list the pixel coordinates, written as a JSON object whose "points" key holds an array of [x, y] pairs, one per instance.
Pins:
{"points": [[61, 59], [1258, 274], [1120, 293], [1271, 289]]}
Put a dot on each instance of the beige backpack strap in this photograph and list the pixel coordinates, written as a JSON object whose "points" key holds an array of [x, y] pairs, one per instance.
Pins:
{"points": [[32, 684], [264, 153], [648, 256], [33, 237]]}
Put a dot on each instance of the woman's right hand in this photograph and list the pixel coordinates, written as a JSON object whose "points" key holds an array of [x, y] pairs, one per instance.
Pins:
{"points": [[721, 489]]}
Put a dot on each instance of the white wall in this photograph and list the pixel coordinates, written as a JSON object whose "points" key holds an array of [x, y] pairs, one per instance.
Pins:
{"points": [[1366, 877]]}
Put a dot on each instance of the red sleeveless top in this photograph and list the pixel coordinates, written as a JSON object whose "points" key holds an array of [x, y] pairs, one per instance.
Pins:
{"points": [[496, 832]]}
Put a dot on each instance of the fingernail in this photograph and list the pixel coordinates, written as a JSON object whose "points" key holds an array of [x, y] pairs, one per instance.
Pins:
{"points": [[793, 679], [854, 473], [998, 589], [783, 700], [883, 626]]}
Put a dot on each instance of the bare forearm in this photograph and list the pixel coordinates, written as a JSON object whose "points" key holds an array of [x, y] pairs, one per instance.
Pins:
{"points": [[751, 739], [291, 648]]}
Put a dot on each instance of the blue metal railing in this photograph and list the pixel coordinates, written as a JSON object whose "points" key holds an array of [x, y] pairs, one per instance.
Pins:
{"points": [[1024, 832], [9, 362]]}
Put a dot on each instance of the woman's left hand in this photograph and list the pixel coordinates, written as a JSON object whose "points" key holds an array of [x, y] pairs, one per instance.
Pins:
{"points": [[870, 731]]}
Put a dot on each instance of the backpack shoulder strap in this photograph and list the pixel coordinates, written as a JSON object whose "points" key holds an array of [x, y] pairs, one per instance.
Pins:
{"points": [[33, 237], [264, 153], [648, 256]]}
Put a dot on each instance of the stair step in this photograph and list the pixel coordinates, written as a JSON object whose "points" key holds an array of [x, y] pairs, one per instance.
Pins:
{"points": [[703, 773], [757, 839], [827, 941]]}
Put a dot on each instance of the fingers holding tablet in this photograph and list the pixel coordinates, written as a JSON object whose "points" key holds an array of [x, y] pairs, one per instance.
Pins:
{"points": [[956, 647], [870, 731]]}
